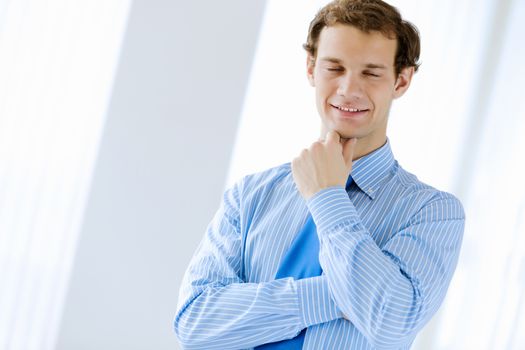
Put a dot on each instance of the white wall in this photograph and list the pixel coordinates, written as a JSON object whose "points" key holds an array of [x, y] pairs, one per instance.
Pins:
{"points": [[161, 169]]}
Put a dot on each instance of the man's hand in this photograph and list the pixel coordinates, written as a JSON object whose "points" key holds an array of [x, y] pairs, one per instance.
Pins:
{"points": [[326, 163]]}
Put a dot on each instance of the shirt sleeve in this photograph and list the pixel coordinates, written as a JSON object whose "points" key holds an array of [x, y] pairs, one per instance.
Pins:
{"points": [[218, 310], [388, 292]]}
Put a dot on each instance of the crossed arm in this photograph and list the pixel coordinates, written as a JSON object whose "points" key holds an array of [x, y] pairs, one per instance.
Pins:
{"points": [[218, 310], [388, 293]]}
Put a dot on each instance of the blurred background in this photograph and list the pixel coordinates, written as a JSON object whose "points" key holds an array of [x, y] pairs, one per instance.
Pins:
{"points": [[122, 122]]}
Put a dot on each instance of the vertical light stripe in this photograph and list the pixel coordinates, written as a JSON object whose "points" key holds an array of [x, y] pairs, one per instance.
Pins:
{"points": [[57, 62], [491, 271]]}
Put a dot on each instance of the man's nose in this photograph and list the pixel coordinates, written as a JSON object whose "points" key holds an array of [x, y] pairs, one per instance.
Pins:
{"points": [[350, 86]]}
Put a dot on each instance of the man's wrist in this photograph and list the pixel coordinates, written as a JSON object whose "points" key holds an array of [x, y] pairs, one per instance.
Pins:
{"points": [[331, 207]]}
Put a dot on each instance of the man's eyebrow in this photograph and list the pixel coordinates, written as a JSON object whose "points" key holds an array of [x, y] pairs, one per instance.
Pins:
{"points": [[368, 65], [331, 59], [375, 66]]}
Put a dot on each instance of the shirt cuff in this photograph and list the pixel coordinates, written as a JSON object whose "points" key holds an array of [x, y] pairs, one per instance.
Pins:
{"points": [[316, 304], [332, 208]]}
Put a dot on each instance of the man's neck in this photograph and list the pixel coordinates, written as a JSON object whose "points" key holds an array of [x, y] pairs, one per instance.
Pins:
{"points": [[364, 146]]}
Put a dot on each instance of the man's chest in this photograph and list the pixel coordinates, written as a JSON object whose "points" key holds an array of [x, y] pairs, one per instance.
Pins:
{"points": [[275, 220]]}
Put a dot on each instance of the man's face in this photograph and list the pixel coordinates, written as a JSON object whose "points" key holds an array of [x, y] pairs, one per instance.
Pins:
{"points": [[355, 83]]}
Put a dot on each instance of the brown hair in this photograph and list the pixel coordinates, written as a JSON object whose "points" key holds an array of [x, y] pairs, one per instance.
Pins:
{"points": [[369, 15]]}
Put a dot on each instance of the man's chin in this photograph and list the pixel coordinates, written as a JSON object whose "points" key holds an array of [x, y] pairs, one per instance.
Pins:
{"points": [[346, 135]]}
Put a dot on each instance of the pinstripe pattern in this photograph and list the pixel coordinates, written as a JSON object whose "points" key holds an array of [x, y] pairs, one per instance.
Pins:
{"points": [[388, 249]]}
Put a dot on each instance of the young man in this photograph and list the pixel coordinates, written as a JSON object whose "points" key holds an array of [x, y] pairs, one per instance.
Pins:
{"points": [[341, 248]]}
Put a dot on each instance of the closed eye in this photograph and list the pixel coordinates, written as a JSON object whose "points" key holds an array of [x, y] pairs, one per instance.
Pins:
{"points": [[334, 69], [370, 74]]}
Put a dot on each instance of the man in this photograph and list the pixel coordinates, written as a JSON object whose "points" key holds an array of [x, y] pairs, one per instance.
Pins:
{"points": [[341, 248]]}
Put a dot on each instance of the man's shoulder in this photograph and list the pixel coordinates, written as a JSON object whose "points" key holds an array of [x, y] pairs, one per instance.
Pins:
{"points": [[264, 176], [417, 191], [275, 171], [255, 188], [267, 178]]}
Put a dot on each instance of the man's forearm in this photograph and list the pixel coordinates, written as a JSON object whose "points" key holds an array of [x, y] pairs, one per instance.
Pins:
{"points": [[245, 315], [388, 293]]}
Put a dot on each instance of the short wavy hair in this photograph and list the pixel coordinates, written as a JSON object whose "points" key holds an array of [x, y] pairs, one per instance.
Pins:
{"points": [[367, 16]]}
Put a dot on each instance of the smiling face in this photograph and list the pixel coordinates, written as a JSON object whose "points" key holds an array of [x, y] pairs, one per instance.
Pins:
{"points": [[355, 82]]}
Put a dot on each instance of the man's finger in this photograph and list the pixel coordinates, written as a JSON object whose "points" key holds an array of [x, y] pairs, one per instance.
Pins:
{"points": [[348, 151], [333, 136]]}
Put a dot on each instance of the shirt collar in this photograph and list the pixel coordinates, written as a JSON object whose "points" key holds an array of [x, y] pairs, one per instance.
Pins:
{"points": [[369, 171]]}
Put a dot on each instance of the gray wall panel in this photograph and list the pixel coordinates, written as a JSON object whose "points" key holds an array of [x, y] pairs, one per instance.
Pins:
{"points": [[162, 164]]}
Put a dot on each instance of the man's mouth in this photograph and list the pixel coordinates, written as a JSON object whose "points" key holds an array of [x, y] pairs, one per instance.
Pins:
{"points": [[349, 109]]}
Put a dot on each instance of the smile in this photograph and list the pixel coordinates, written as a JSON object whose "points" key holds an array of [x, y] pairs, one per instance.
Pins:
{"points": [[349, 109]]}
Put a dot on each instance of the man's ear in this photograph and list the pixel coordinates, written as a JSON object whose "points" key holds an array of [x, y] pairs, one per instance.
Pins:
{"points": [[310, 65], [403, 81]]}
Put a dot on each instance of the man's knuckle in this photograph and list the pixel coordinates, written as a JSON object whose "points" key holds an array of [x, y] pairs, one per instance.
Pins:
{"points": [[316, 146]]}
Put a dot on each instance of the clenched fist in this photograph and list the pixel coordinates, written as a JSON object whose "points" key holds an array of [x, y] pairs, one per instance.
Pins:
{"points": [[326, 163]]}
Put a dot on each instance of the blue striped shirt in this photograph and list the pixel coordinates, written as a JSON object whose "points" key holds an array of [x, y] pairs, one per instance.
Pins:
{"points": [[388, 249]]}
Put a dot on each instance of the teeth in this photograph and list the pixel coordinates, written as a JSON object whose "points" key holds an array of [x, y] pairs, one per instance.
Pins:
{"points": [[348, 109]]}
